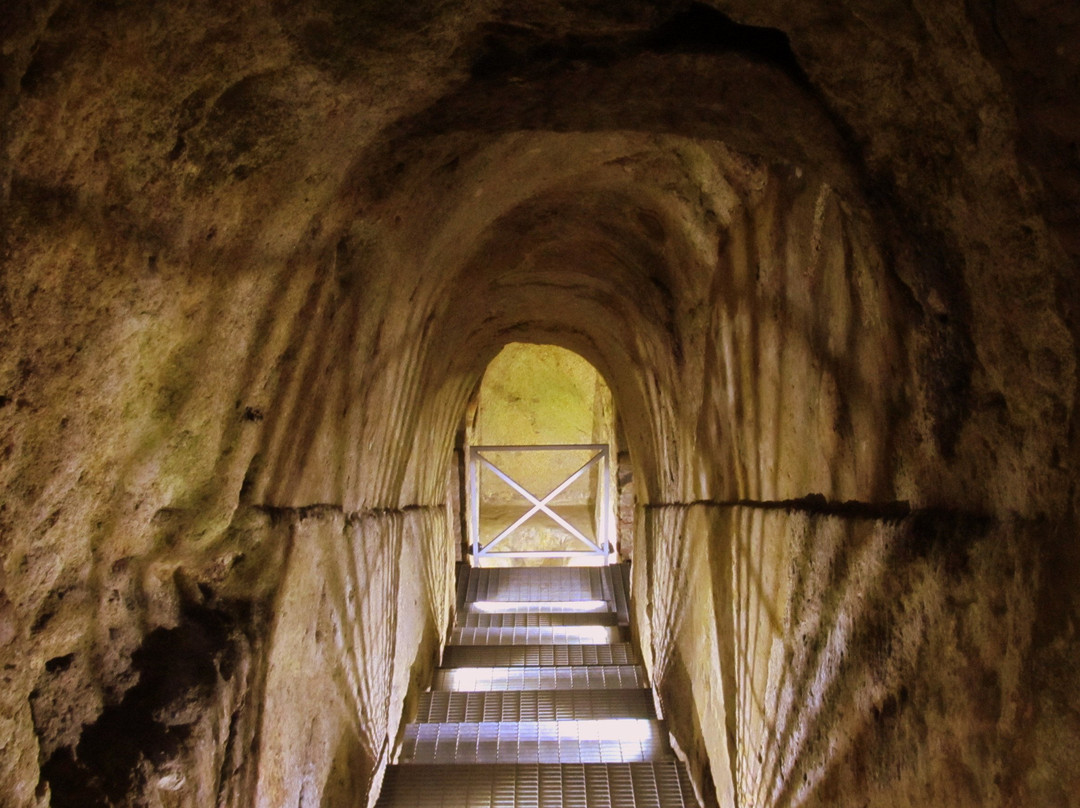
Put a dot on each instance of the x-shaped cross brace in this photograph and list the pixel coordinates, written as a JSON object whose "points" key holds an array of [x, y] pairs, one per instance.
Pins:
{"points": [[540, 504]]}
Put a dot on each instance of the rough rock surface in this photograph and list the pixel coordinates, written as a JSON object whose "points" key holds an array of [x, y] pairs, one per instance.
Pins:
{"points": [[256, 256]]}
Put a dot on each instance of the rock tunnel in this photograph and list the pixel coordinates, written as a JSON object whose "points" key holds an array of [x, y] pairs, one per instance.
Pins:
{"points": [[257, 255]]}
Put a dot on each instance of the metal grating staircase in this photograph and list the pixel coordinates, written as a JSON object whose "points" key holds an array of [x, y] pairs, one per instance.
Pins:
{"points": [[540, 703]]}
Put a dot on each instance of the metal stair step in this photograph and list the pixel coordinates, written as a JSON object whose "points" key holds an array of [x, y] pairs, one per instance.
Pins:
{"points": [[605, 740], [559, 677], [537, 584], [444, 706], [534, 619], [482, 656], [539, 607], [538, 635], [658, 784]]}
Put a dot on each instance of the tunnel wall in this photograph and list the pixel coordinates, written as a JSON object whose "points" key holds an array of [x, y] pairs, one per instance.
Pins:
{"points": [[255, 256], [360, 620], [819, 624], [188, 523], [826, 655]]}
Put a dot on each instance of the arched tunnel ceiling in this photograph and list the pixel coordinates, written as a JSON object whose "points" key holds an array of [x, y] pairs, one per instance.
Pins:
{"points": [[221, 143], [589, 247], [217, 144], [607, 244]]}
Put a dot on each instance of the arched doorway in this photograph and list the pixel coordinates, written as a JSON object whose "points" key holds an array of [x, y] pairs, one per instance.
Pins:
{"points": [[540, 444]]}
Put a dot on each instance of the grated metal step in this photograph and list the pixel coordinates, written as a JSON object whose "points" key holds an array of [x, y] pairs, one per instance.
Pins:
{"points": [[532, 584], [565, 677], [538, 635], [606, 740], [534, 619], [661, 784], [539, 607], [483, 656], [444, 706]]}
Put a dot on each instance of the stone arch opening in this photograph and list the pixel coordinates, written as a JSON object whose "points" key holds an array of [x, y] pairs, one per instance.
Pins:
{"points": [[534, 505]]}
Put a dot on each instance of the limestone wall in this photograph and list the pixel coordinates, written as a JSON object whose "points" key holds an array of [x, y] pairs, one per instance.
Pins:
{"points": [[827, 655], [357, 623], [255, 258]]}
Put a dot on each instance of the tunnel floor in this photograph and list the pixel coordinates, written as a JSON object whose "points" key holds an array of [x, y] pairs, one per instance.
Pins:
{"points": [[540, 702]]}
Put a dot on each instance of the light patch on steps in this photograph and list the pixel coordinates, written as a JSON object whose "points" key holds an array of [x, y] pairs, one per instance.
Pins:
{"points": [[516, 606]]}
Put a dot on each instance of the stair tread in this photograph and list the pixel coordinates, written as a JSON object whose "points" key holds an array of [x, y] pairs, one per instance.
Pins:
{"points": [[654, 784], [533, 705], [539, 607], [537, 635], [556, 677], [534, 619], [538, 584], [459, 656], [611, 740]]}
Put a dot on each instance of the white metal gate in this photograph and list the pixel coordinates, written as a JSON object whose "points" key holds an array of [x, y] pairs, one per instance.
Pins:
{"points": [[600, 548]]}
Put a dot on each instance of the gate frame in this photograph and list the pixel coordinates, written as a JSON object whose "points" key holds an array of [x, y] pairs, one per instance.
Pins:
{"points": [[601, 548]]}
